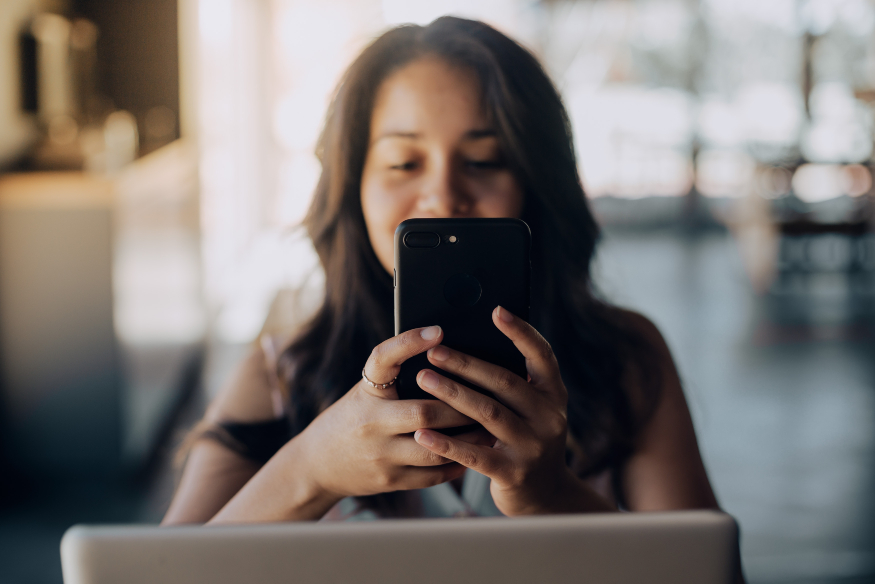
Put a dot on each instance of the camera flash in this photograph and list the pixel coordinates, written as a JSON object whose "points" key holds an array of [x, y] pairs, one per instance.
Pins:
{"points": [[452, 239]]}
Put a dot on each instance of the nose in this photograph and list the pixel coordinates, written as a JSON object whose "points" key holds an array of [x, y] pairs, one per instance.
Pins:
{"points": [[441, 195]]}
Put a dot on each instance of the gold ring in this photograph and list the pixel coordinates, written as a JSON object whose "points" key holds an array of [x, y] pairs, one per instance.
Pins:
{"points": [[377, 385]]}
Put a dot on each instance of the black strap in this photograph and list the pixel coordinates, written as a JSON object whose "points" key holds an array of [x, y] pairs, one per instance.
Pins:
{"points": [[257, 441]]}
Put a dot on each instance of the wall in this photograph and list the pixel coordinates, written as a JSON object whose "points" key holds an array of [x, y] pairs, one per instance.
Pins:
{"points": [[137, 54], [16, 130]]}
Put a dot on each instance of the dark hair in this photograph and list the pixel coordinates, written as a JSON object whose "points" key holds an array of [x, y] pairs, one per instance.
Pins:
{"points": [[594, 342]]}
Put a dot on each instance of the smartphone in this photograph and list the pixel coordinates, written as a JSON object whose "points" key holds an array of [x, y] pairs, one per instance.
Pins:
{"points": [[453, 273]]}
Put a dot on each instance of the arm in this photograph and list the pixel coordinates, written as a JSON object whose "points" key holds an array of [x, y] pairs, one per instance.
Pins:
{"points": [[666, 471], [528, 419], [360, 445], [212, 475], [212, 472]]}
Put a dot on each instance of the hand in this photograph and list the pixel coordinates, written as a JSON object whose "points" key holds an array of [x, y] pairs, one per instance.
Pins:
{"points": [[527, 418], [363, 444]]}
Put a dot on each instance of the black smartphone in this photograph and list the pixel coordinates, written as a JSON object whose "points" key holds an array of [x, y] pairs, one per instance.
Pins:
{"points": [[453, 273]]}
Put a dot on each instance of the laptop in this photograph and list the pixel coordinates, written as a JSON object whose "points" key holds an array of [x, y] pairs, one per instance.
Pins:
{"points": [[655, 548]]}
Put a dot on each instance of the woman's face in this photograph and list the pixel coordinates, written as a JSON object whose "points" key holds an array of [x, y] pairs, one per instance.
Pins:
{"points": [[432, 154]]}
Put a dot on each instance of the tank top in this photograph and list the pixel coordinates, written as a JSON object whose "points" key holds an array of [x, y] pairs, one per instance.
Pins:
{"points": [[439, 501]]}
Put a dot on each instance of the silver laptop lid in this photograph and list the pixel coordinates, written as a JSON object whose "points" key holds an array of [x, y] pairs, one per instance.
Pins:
{"points": [[694, 546]]}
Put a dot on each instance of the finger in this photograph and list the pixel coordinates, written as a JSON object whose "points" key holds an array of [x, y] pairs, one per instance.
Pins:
{"points": [[540, 360], [509, 388], [406, 416], [404, 451], [495, 417], [480, 437], [385, 361], [420, 477], [482, 459]]}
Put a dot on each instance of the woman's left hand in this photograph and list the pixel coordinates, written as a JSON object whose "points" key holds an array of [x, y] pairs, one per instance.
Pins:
{"points": [[527, 418]]}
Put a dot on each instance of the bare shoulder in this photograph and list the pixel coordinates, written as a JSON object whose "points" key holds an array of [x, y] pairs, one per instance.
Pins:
{"points": [[645, 336], [251, 394], [665, 471], [640, 325], [650, 371], [247, 396]]}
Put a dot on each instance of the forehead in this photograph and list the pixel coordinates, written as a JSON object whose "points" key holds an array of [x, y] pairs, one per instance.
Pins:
{"points": [[428, 96]]}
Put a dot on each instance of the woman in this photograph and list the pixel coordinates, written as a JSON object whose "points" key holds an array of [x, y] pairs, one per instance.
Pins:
{"points": [[449, 120]]}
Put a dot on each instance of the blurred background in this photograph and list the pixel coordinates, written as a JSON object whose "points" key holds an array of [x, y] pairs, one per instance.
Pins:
{"points": [[155, 157]]}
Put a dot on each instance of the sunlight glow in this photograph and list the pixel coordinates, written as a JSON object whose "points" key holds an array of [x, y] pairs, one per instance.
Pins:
{"points": [[644, 96]]}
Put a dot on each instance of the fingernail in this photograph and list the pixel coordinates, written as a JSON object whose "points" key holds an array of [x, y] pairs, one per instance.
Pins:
{"points": [[504, 314], [429, 379], [423, 438], [430, 333], [439, 353]]}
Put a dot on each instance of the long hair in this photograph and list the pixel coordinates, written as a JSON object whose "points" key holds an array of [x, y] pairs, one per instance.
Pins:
{"points": [[592, 342]]}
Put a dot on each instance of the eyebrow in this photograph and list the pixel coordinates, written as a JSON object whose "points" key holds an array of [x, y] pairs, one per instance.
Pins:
{"points": [[469, 135]]}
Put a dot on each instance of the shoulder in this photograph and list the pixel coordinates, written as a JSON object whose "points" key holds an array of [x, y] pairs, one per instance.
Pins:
{"points": [[664, 470], [247, 396], [649, 370], [254, 392], [631, 333], [643, 330]]}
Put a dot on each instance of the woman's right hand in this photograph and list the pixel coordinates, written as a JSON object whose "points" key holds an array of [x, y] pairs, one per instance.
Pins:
{"points": [[363, 444]]}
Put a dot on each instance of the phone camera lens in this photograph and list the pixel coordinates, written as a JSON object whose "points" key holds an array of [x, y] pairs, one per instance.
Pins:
{"points": [[422, 239]]}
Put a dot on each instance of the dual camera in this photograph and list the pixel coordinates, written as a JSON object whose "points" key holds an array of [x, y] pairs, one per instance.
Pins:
{"points": [[425, 239]]}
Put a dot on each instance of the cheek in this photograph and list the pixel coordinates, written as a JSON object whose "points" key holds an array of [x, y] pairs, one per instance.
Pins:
{"points": [[503, 198], [384, 206], [383, 210]]}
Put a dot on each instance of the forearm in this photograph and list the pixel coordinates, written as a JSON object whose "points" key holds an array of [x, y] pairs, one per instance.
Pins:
{"points": [[211, 477], [274, 494], [575, 496], [565, 494], [571, 495]]}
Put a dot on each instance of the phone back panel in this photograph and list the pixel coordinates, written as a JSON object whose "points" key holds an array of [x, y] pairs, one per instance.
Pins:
{"points": [[458, 285]]}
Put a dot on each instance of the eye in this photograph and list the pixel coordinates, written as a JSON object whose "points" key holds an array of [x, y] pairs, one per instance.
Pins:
{"points": [[409, 165], [485, 164]]}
